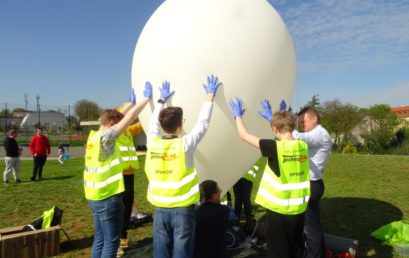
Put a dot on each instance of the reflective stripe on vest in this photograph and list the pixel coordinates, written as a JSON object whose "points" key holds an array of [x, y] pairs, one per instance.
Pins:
{"points": [[102, 179], [289, 193], [128, 152], [105, 168], [101, 184], [251, 175], [170, 183]]}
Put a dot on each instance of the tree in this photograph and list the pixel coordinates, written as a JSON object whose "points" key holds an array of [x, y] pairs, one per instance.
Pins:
{"points": [[381, 128], [314, 102], [340, 119], [383, 118], [87, 110]]}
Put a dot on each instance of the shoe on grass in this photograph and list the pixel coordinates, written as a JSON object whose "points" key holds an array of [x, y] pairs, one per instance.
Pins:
{"points": [[120, 252], [18, 181], [124, 243]]}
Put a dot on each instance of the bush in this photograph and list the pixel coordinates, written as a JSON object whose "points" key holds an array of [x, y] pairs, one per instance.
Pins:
{"points": [[349, 148]]}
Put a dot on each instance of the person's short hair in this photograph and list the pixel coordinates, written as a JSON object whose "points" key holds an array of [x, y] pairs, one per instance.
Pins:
{"points": [[283, 121], [109, 115], [310, 111], [207, 189], [171, 118], [12, 131], [39, 128]]}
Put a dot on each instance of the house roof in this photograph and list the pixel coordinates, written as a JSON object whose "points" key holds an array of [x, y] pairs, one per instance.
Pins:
{"points": [[401, 111]]}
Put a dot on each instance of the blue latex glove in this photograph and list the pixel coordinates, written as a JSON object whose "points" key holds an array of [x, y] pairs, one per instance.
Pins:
{"points": [[147, 93], [283, 106], [132, 97], [164, 91], [267, 113], [212, 84], [237, 107]]}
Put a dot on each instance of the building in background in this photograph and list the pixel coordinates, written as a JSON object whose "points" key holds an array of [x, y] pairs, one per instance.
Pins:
{"points": [[402, 112], [50, 121]]}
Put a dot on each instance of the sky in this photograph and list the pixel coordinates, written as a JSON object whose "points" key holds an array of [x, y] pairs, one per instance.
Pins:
{"points": [[356, 51]]}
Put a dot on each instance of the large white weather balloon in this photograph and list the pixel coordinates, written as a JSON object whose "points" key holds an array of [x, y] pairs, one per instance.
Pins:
{"points": [[246, 44]]}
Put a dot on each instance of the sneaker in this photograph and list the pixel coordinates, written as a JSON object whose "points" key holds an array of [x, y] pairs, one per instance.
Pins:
{"points": [[18, 181], [120, 252], [6, 182], [32, 179], [140, 215], [124, 243]]}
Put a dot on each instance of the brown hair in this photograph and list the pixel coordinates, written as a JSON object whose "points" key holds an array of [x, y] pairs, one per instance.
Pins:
{"points": [[11, 131], [310, 111], [109, 115], [170, 119], [284, 121], [207, 189]]}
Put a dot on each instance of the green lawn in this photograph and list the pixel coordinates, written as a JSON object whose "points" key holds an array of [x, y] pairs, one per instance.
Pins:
{"points": [[362, 194]]}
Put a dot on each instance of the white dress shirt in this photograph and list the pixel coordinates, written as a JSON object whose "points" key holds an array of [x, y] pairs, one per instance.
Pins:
{"points": [[319, 147]]}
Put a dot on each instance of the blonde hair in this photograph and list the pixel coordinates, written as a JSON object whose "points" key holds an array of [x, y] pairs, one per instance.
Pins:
{"points": [[110, 114], [283, 121]]}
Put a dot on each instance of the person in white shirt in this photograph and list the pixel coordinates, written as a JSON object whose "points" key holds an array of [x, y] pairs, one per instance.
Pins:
{"points": [[319, 147], [173, 182]]}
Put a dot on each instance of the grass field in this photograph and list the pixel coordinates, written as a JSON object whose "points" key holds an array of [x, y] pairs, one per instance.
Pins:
{"points": [[362, 193]]}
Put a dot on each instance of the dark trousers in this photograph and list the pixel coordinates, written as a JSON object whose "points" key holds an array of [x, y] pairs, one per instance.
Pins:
{"points": [[127, 199], [242, 197], [39, 162], [284, 235], [313, 230]]}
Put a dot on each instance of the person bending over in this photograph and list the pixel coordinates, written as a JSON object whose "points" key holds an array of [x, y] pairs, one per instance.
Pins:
{"points": [[212, 219]]}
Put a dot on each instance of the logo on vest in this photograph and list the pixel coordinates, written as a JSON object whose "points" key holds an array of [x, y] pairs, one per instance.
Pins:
{"points": [[164, 156], [294, 158]]}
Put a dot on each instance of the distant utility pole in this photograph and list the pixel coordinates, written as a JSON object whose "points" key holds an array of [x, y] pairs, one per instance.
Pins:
{"points": [[5, 121], [25, 102], [38, 109], [69, 123]]}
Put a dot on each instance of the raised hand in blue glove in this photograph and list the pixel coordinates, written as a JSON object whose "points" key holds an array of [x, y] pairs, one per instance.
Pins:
{"points": [[266, 113], [164, 91], [283, 106], [237, 107], [212, 84], [132, 97], [147, 93]]}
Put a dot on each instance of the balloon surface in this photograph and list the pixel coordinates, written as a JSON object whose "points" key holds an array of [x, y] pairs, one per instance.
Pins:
{"points": [[246, 44]]}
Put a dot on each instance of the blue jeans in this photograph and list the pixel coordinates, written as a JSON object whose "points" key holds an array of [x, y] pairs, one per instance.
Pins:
{"points": [[174, 232], [107, 215], [313, 230]]}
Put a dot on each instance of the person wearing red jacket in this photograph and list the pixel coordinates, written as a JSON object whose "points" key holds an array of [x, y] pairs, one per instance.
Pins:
{"points": [[39, 149]]}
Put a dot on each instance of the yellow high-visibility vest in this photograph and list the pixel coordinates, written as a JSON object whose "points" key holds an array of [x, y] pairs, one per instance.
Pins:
{"points": [[171, 184], [251, 174], [102, 178], [128, 153], [288, 193]]}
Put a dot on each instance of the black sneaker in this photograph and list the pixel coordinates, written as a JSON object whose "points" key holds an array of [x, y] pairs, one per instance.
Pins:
{"points": [[6, 182], [32, 179], [18, 181]]}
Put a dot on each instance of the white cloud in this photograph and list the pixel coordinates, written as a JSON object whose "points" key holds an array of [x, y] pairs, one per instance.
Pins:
{"points": [[395, 96], [334, 36]]}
